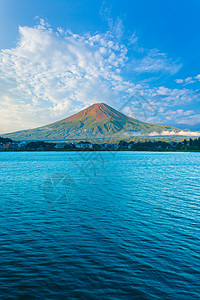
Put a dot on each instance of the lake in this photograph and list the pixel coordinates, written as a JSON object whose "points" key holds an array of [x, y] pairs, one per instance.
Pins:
{"points": [[99, 225]]}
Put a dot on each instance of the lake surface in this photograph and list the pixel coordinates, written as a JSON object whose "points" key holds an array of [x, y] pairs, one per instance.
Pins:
{"points": [[99, 225]]}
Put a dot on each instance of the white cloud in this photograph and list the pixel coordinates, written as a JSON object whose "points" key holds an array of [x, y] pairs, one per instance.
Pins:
{"points": [[133, 39], [116, 27], [180, 133], [155, 61], [167, 133], [189, 120], [171, 97], [163, 91], [188, 80], [159, 105], [177, 116], [179, 80], [197, 77], [50, 74]]}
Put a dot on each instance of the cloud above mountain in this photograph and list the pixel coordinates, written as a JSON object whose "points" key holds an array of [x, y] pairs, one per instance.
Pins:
{"points": [[154, 61]]}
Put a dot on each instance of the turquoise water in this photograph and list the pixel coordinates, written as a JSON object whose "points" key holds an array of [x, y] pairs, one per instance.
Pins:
{"points": [[99, 225]]}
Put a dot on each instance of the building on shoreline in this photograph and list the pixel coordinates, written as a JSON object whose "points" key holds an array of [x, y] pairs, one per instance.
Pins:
{"points": [[84, 145]]}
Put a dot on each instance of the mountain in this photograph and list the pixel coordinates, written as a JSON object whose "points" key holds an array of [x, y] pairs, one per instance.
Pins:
{"points": [[98, 121]]}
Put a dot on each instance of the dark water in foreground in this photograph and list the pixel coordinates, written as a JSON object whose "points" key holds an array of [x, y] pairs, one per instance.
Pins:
{"points": [[99, 225]]}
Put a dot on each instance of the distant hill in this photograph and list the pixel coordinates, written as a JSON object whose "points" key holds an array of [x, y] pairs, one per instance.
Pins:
{"points": [[98, 121]]}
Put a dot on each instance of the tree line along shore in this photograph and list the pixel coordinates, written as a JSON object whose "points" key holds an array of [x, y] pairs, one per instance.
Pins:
{"points": [[7, 144]]}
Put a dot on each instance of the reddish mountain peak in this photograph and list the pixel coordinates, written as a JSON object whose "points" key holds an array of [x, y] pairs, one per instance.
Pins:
{"points": [[98, 112]]}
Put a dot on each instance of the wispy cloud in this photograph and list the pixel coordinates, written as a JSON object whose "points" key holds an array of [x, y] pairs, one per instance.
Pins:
{"points": [[193, 119], [133, 39], [176, 117], [188, 80], [154, 61], [116, 26]]}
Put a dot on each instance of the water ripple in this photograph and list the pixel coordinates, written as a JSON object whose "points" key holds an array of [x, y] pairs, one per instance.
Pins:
{"points": [[130, 231]]}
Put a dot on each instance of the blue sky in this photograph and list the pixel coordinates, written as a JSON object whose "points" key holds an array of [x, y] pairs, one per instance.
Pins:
{"points": [[58, 57]]}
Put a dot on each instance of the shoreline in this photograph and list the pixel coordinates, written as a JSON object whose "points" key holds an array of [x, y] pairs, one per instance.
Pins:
{"points": [[91, 150]]}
